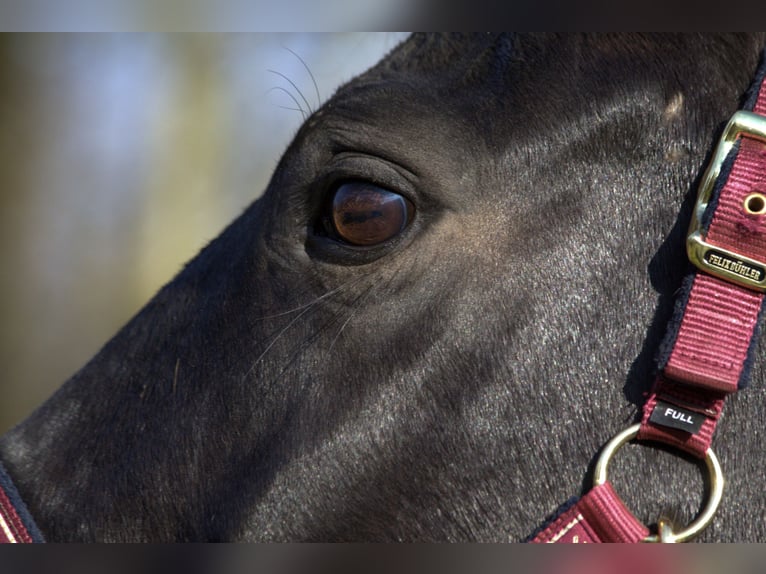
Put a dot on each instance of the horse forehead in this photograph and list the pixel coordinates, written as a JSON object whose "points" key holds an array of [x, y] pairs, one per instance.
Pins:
{"points": [[497, 87], [495, 61]]}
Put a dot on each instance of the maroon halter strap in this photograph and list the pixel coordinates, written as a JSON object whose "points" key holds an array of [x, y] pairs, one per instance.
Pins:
{"points": [[16, 524], [707, 352], [717, 322], [599, 516]]}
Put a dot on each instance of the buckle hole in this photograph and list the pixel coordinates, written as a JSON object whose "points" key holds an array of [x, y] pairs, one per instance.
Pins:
{"points": [[755, 204]]}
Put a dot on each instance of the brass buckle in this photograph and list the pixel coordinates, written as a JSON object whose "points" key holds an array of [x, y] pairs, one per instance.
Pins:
{"points": [[723, 263], [666, 533]]}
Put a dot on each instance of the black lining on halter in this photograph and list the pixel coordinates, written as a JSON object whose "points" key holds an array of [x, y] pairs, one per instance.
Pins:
{"points": [[752, 93]]}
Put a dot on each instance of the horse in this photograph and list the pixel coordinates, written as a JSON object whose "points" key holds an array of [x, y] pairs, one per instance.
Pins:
{"points": [[450, 296]]}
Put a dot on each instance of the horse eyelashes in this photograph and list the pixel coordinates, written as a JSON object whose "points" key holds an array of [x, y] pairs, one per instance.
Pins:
{"points": [[365, 215]]}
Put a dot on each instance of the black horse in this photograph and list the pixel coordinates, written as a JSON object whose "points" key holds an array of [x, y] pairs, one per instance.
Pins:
{"points": [[449, 298]]}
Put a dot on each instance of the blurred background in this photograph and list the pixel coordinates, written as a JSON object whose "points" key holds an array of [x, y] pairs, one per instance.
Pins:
{"points": [[121, 156]]}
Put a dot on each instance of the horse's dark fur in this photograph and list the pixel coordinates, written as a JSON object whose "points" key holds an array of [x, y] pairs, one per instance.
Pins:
{"points": [[456, 383]]}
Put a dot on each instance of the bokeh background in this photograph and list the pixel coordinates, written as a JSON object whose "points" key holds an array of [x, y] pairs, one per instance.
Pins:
{"points": [[121, 156]]}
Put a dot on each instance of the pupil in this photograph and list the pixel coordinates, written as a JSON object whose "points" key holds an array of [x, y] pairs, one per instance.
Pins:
{"points": [[352, 218]]}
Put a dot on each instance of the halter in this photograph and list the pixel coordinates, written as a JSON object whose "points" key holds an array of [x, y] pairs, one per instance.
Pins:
{"points": [[16, 524], [709, 346]]}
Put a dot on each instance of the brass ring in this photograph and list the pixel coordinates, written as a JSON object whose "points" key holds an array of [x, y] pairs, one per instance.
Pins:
{"points": [[716, 486]]}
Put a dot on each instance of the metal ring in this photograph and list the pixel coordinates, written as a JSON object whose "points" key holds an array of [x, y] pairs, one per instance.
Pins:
{"points": [[716, 486]]}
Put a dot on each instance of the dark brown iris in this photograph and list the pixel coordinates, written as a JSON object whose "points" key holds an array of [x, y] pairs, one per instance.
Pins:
{"points": [[364, 214]]}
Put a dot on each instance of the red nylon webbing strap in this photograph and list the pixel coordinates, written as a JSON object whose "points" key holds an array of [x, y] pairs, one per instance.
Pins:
{"points": [[715, 334], [599, 516], [760, 103], [16, 524], [12, 528], [708, 405], [709, 356]]}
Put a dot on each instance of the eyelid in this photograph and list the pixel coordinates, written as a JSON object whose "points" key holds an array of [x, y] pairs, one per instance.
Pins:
{"points": [[356, 166]]}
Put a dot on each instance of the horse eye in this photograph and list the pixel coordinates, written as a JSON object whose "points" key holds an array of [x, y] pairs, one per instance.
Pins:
{"points": [[364, 214]]}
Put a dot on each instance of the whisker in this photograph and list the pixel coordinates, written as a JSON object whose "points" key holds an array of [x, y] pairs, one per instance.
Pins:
{"points": [[308, 342], [297, 89], [350, 316], [304, 309], [275, 339], [314, 337], [292, 97], [360, 300], [313, 301], [313, 80]]}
